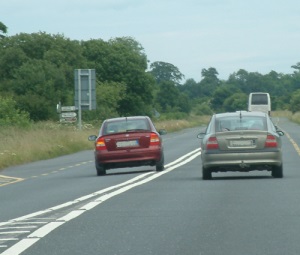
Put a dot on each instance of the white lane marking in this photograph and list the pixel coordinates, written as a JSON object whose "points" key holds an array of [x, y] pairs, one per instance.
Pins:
{"points": [[181, 158], [26, 227], [21, 246], [14, 232], [81, 199], [27, 222], [45, 230], [25, 243]]}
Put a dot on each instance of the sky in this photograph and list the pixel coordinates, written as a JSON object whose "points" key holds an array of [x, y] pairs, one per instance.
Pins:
{"points": [[228, 35]]}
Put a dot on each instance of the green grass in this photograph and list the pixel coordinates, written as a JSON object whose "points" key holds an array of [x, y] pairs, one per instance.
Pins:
{"points": [[48, 140], [41, 141]]}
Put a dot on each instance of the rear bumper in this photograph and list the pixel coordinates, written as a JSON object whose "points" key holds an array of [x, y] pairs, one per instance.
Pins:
{"points": [[128, 158], [263, 160]]}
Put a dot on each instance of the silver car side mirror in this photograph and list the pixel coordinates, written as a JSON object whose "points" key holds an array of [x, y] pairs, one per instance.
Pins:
{"points": [[200, 135]]}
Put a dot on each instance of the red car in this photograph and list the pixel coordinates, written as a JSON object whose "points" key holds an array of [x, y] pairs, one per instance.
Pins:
{"points": [[128, 142]]}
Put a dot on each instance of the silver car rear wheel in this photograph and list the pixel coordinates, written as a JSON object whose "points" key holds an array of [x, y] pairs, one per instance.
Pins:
{"points": [[277, 171], [206, 174]]}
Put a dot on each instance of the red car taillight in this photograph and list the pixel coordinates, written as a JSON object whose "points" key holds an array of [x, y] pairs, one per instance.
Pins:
{"points": [[100, 144], [212, 143], [154, 139], [271, 141]]}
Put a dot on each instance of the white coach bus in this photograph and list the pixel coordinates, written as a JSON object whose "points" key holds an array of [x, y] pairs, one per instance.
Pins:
{"points": [[259, 101]]}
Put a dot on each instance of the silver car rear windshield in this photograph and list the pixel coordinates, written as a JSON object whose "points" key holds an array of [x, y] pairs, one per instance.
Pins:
{"points": [[233, 123]]}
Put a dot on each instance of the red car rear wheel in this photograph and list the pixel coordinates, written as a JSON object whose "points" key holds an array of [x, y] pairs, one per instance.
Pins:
{"points": [[100, 169]]}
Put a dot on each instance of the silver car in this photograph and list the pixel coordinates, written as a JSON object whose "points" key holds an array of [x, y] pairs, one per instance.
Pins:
{"points": [[241, 141]]}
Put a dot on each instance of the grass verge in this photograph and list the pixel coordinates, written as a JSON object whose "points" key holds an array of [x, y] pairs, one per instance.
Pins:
{"points": [[48, 140]]}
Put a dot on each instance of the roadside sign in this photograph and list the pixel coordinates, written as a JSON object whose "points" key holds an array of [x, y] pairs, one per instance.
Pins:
{"points": [[68, 108], [68, 114], [68, 120], [85, 89]]}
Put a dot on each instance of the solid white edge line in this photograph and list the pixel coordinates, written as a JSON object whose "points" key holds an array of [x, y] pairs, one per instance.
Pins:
{"points": [[181, 158], [24, 244], [45, 230], [20, 246], [90, 195]]}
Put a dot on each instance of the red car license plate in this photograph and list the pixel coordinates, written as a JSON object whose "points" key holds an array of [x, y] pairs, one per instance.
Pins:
{"points": [[132, 143]]}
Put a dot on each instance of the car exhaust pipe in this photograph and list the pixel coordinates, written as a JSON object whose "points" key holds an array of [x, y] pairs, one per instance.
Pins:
{"points": [[243, 164]]}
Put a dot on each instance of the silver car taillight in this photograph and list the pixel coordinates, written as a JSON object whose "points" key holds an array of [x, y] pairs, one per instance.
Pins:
{"points": [[271, 141], [212, 143]]}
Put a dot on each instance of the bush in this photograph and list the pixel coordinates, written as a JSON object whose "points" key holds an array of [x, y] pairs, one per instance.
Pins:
{"points": [[10, 115], [202, 109], [173, 116], [295, 101]]}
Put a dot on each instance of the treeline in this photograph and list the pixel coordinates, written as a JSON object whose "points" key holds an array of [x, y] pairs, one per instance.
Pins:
{"points": [[37, 72]]}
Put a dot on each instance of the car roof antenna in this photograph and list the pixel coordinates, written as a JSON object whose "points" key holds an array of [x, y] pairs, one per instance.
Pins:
{"points": [[240, 116]]}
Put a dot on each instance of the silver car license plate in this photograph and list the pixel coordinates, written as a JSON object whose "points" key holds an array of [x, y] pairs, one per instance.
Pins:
{"points": [[241, 143]]}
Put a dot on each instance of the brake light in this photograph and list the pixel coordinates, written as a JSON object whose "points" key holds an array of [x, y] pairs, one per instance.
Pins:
{"points": [[212, 143], [154, 139], [271, 141], [100, 144]]}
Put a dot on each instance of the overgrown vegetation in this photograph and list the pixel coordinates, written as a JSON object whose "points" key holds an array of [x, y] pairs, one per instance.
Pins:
{"points": [[37, 72], [48, 139]]}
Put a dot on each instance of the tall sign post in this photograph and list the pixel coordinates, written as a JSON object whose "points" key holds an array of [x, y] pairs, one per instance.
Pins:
{"points": [[85, 91]]}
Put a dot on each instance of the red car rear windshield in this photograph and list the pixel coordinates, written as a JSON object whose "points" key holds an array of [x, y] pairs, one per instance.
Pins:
{"points": [[126, 126]]}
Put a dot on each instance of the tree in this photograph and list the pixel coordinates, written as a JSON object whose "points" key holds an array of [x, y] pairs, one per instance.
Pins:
{"points": [[3, 30], [297, 67], [39, 86], [97, 53], [248, 82], [235, 102], [168, 95], [210, 73], [191, 88], [11, 59], [239, 79], [295, 101], [109, 95], [220, 95], [163, 71], [128, 64], [122, 60], [210, 81], [38, 71], [184, 104]]}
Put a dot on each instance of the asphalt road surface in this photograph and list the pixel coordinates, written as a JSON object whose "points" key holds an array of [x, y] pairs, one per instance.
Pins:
{"points": [[61, 207]]}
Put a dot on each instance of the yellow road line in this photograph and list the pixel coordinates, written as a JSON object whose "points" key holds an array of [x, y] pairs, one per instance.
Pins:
{"points": [[293, 143], [5, 180], [291, 139]]}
